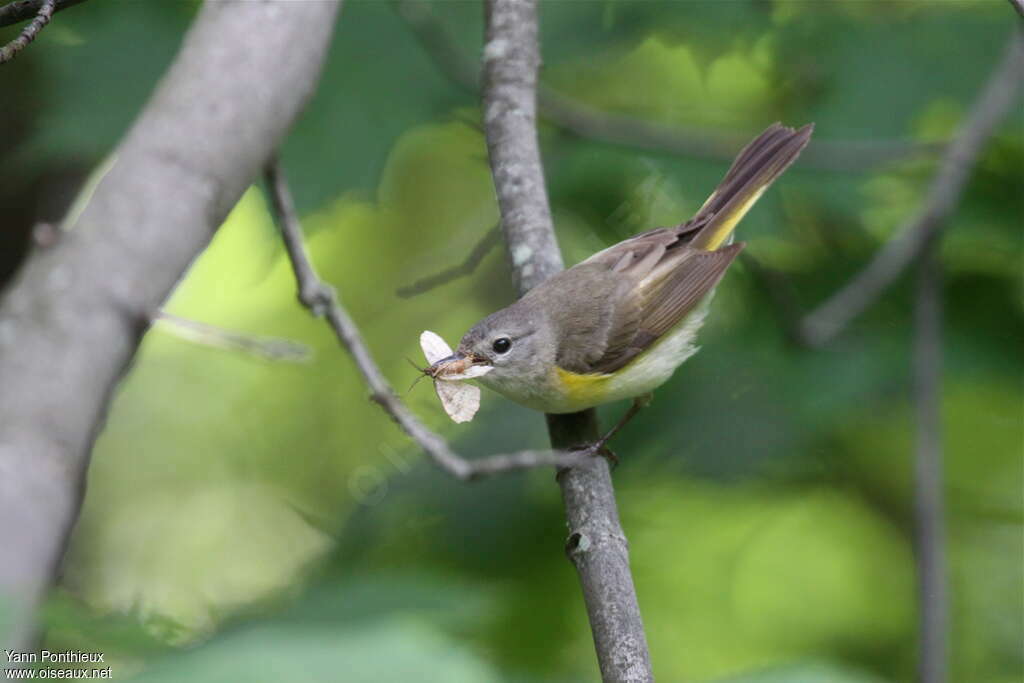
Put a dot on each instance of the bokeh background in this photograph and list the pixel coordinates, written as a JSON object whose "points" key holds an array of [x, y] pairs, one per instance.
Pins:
{"points": [[253, 519]]}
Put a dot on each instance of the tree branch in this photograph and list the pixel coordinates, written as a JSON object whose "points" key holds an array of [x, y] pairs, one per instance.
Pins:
{"points": [[627, 131], [322, 301], [270, 348], [616, 129], [489, 241], [928, 508], [597, 545], [511, 60], [23, 10], [29, 33], [991, 107], [72, 320]]}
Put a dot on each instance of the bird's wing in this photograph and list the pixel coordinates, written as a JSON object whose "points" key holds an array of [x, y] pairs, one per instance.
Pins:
{"points": [[658, 300], [635, 291], [626, 297], [629, 296]]}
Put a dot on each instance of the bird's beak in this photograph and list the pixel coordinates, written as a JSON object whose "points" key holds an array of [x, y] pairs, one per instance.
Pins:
{"points": [[460, 365]]}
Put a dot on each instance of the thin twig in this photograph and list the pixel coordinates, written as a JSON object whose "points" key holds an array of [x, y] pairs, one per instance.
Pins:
{"points": [[270, 348], [489, 241], [29, 33], [928, 507], [585, 121], [439, 44], [617, 129], [23, 10], [991, 107], [322, 301], [597, 545]]}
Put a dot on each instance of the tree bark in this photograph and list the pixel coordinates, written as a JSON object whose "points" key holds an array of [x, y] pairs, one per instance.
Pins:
{"points": [[597, 545], [72, 320]]}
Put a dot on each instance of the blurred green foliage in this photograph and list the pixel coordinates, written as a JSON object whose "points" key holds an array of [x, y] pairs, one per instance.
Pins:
{"points": [[271, 519]]}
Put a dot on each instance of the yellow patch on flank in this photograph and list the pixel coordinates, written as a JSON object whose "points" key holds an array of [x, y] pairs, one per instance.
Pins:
{"points": [[588, 389]]}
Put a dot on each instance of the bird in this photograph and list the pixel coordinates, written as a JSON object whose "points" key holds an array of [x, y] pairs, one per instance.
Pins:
{"points": [[617, 325]]}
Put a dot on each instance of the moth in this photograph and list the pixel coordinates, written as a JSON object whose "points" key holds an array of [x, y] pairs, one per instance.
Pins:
{"points": [[459, 400]]}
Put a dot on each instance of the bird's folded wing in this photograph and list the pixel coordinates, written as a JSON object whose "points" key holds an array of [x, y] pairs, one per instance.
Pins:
{"points": [[658, 300]]}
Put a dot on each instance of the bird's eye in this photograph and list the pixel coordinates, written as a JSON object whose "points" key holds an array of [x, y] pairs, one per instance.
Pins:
{"points": [[502, 345]]}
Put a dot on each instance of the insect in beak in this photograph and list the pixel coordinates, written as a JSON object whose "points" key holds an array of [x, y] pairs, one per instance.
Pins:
{"points": [[460, 400], [459, 366]]}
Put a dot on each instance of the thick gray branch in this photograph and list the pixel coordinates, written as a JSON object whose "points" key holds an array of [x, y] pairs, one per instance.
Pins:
{"points": [[597, 545], [511, 59], [991, 107], [71, 322]]}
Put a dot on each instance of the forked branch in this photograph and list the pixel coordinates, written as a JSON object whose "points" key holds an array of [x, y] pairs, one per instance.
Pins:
{"points": [[322, 301]]}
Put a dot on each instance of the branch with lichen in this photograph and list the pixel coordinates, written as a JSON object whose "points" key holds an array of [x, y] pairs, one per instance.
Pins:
{"points": [[597, 545]]}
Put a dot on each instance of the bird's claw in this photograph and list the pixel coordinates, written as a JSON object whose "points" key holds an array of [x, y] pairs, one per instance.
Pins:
{"points": [[599, 447]]}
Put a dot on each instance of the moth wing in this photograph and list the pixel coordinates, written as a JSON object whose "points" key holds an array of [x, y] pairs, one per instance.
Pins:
{"points": [[460, 401], [434, 348]]}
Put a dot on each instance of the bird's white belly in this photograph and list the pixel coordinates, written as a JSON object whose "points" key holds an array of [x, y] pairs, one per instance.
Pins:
{"points": [[651, 369]]}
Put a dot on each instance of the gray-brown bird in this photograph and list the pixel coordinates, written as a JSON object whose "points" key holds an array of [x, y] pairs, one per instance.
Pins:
{"points": [[618, 324]]}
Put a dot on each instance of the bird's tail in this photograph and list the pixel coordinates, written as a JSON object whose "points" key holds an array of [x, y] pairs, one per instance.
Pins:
{"points": [[755, 168]]}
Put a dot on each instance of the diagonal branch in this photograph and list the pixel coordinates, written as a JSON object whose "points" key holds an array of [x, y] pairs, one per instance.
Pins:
{"points": [[597, 545], [322, 301], [580, 119], [23, 10], [490, 240], [929, 533], [269, 348], [29, 33], [991, 107]]}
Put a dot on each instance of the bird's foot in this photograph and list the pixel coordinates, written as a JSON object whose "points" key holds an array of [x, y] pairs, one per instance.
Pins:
{"points": [[599, 447]]}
